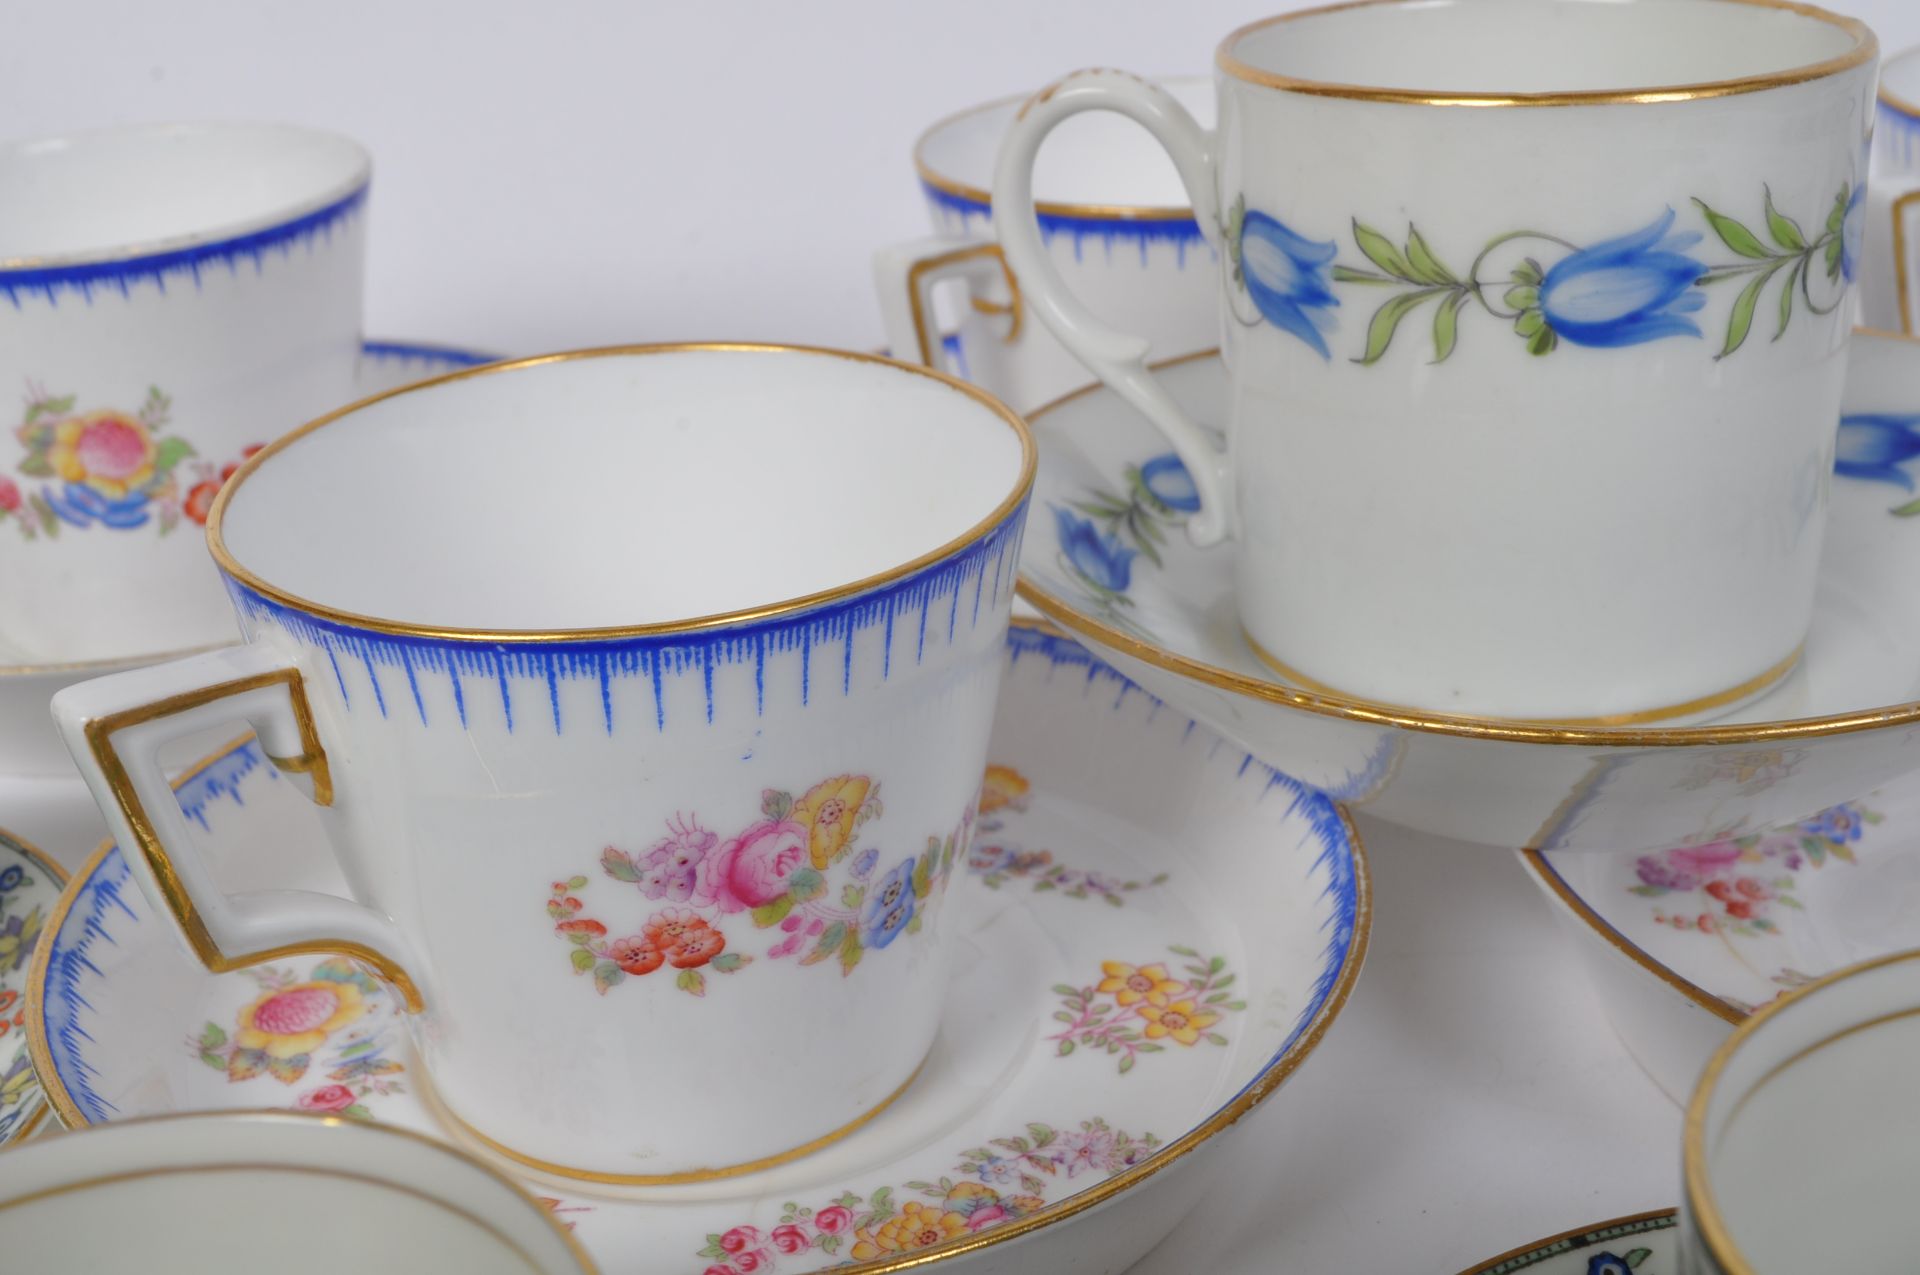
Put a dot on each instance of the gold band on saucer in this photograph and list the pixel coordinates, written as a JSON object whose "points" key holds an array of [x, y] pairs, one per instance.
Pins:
{"points": [[1645, 717], [446, 1113]]}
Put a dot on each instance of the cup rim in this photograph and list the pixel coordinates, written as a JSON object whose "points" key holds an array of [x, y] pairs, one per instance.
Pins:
{"points": [[127, 253], [1702, 1209], [940, 181], [1893, 101], [232, 568], [1865, 46]]}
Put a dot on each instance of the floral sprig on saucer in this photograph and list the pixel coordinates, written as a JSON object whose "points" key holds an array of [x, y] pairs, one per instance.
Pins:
{"points": [[1136, 1009], [995, 862], [280, 1032], [1103, 532], [777, 871], [1875, 447], [1743, 877], [1007, 1179]]}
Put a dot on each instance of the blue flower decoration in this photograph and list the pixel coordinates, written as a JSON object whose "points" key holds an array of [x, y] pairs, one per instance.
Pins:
{"points": [[82, 506], [1873, 446], [1167, 481], [1289, 277], [1102, 559], [1853, 231], [11, 878], [890, 906], [864, 864], [1837, 823], [1624, 291], [1608, 1264]]}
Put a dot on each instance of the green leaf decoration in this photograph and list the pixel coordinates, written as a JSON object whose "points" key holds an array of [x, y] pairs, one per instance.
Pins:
{"points": [[64, 404], [1387, 319], [923, 876], [211, 1037], [582, 960], [1446, 326], [1126, 1064], [1785, 231], [605, 975], [1836, 216], [576, 883], [691, 981], [1909, 510], [775, 804], [1741, 319], [850, 952], [357, 1111], [1636, 1256], [216, 1061], [1230, 231], [579, 937], [827, 944], [805, 884], [772, 913], [1066, 1047], [1426, 266], [1382, 253], [1543, 342], [730, 962], [245, 1064], [1786, 297], [171, 452], [288, 1070], [1347, 274], [852, 896], [1528, 273], [37, 466], [1524, 297], [1733, 234], [619, 865], [1530, 323], [1833, 257]]}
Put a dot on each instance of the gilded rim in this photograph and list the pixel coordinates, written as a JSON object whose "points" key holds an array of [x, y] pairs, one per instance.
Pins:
{"points": [[43, 861], [1269, 1079], [1045, 207], [273, 1115], [1865, 46], [1703, 1211], [359, 180], [1023, 486], [111, 664], [1368, 712], [1891, 100], [1632, 1219]]}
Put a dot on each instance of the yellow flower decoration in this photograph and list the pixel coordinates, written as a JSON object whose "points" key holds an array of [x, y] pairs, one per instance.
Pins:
{"points": [[1182, 1020], [289, 1021], [1004, 786], [1129, 985], [110, 452], [915, 1226], [827, 813]]}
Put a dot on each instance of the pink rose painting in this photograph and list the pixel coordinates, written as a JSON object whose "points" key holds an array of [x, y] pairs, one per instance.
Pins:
{"points": [[752, 869]]}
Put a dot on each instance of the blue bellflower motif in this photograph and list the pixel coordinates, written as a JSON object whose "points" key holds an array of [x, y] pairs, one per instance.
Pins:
{"points": [[82, 506], [1102, 559], [10, 879], [1289, 277], [1873, 446], [1167, 481], [1853, 231], [1624, 291], [890, 906], [1608, 1264]]}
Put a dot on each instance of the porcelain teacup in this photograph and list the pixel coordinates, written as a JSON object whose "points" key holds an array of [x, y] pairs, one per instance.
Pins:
{"points": [[644, 690], [305, 1195], [1536, 317], [1887, 289], [175, 296], [1113, 218]]}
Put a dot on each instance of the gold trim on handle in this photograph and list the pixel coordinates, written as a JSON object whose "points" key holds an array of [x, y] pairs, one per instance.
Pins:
{"points": [[923, 322], [1865, 47], [1902, 272], [312, 762]]}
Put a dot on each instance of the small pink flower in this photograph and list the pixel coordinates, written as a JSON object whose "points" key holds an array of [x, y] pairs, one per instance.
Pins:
{"points": [[789, 1238], [833, 1219], [112, 446], [9, 495], [752, 869], [1707, 859], [986, 1217], [740, 1239], [719, 1268], [326, 1098], [751, 1260]]}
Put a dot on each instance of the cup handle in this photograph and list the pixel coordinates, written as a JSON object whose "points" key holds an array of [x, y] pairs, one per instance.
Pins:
{"points": [[1904, 210], [904, 275], [1118, 358], [115, 727]]}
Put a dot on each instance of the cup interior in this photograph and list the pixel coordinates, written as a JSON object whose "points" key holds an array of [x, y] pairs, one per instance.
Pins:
{"points": [[1543, 46], [1093, 158], [119, 191], [618, 489]]}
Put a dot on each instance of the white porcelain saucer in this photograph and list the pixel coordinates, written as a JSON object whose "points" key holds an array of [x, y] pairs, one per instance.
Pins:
{"points": [[1159, 930], [30, 883], [1106, 556], [1644, 1244], [1682, 944], [41, 798]]}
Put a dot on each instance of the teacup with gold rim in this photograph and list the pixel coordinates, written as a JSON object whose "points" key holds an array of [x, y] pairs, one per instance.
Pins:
{"points": [[646, 692], [1535, 316]]}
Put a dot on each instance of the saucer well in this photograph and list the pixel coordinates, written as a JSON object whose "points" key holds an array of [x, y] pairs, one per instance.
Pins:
{"points": [[1107, 557], [1683, 944], [1157, 932], [30, 883], [1644, 1244]]}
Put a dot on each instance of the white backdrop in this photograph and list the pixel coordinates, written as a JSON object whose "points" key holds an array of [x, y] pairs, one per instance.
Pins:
{"points": [[555, 173]]}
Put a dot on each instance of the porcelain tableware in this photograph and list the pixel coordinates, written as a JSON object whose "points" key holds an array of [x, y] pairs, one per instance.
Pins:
{"points": [[1053, 1126], [734, 682], [1802, 1139], [181, 1194], [30, 882], [1113, 218], [1475, 275], [1893, 200], [1106, 558], [1644, 1244], [175, 296]]}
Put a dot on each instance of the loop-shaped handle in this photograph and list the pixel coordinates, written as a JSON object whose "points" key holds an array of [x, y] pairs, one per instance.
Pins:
{"points": [[1118, 358], [115, 728], [1904, 212], [904, 275]]}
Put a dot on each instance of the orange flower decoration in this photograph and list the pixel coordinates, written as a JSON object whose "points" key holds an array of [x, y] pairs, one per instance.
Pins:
{"points": [[1182, 1020], [683, 937], [1129, 984], [915, 1226], [827, 813], [1003, 787]]}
